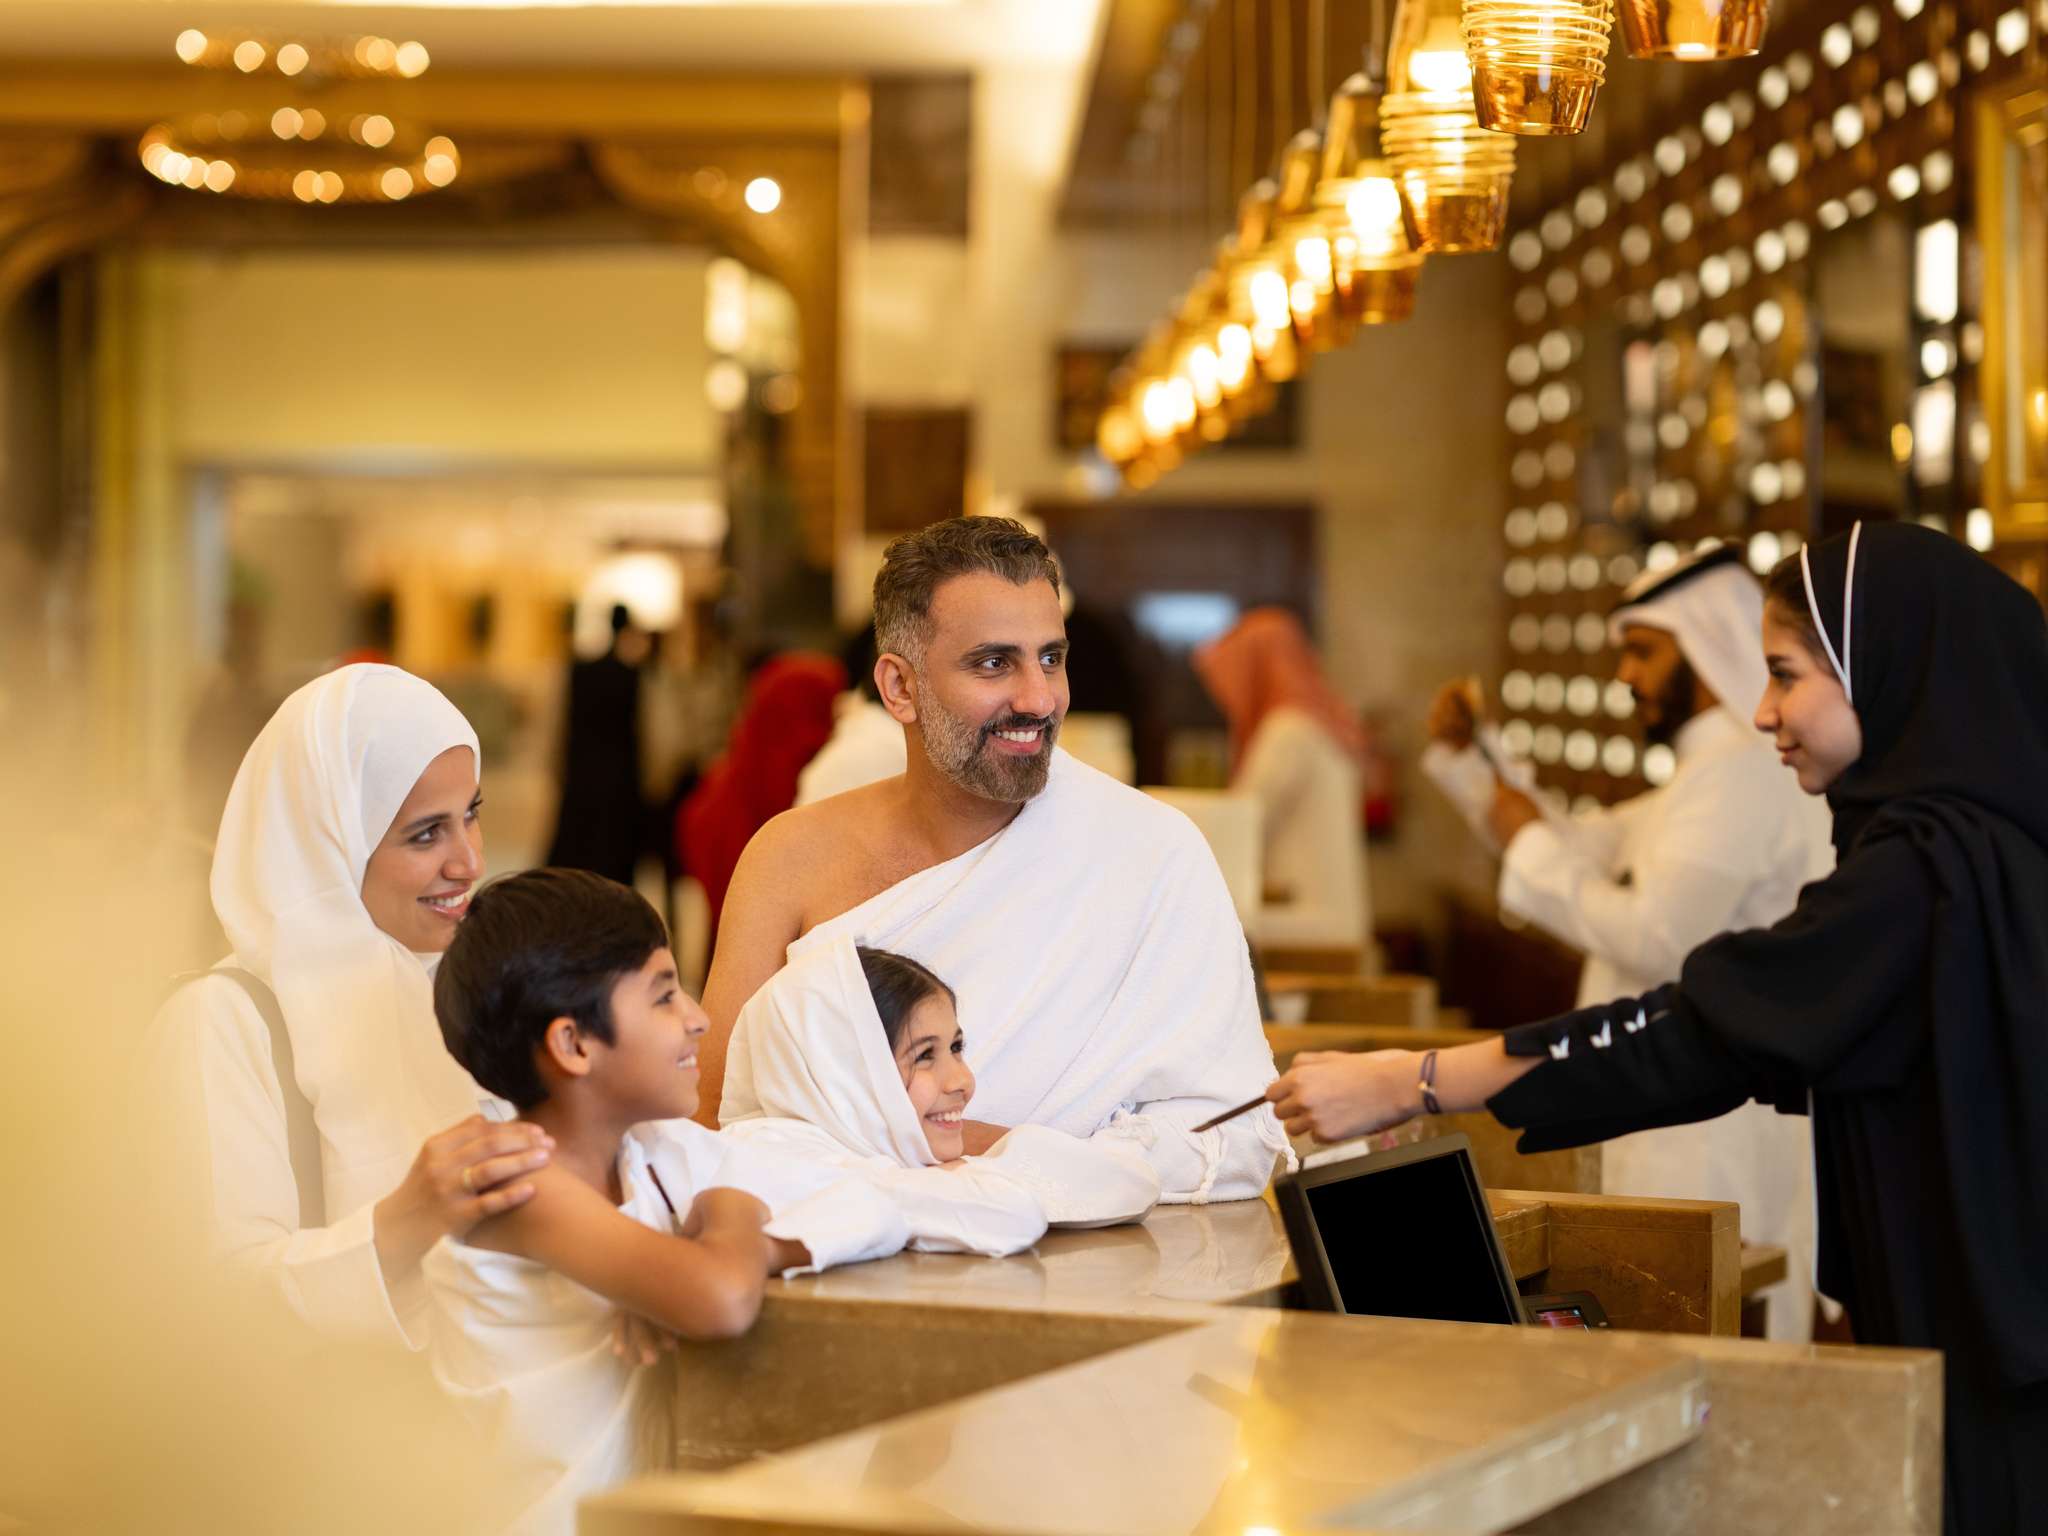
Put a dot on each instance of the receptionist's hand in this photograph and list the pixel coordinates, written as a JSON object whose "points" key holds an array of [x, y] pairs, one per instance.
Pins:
{"points": [[1452, 716], [1335, 1095]]}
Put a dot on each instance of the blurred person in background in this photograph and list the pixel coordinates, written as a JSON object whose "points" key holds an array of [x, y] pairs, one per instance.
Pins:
{"points": [[1299, 750], [867, 743], [600, 824], [1725, 845], [786, 719]]}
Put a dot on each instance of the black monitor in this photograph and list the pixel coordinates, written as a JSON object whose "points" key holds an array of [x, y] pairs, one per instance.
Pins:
{"points": [[1404, 1233]]}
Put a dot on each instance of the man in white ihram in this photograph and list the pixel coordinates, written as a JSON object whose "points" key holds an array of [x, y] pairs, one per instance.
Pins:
{"points": [[1725, 844], [1104, 983]]}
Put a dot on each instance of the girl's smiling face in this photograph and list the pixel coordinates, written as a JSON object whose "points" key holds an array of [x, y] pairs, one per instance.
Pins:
{"points": [[931, 1059], [1804, 710]]}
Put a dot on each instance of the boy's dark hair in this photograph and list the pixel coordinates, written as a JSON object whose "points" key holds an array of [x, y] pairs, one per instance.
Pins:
{"points": [[1785, 590], [536, 947], [899, 984], [915, 564]]}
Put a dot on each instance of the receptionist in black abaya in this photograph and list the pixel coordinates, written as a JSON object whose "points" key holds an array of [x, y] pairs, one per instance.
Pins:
{"points": [[1903, 1003]]}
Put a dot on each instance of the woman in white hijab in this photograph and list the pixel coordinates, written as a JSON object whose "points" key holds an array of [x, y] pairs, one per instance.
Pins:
{"points": [[856, 1058], [341, 1139]]}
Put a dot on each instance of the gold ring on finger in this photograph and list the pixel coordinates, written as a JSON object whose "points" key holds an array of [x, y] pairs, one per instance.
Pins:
{"points": [[469, 1179]]}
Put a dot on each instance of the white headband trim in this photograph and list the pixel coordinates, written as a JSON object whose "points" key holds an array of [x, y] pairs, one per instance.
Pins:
{"points": [[1839, 662]]}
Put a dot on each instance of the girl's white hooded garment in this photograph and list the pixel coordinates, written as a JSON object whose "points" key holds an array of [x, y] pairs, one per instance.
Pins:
{"points": [[810, 1072]]}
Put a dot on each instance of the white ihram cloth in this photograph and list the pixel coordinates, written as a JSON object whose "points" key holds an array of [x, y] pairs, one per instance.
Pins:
{"points": [[1103, 977], [316, 793], [1726, 844], [1311, 809], [811, 1057], [528, 1352]]}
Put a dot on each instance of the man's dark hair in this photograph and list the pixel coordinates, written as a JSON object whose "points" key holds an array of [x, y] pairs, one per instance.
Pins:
{"points": [[1785, 590], [536, 947], [899, 984], [914, 565]]}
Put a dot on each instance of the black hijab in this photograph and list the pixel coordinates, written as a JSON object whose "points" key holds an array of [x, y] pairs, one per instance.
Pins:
{"points": [[1947, 665]]}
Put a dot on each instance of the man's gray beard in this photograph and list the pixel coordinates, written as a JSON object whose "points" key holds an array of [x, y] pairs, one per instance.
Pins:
{"points": [[959, 749]]}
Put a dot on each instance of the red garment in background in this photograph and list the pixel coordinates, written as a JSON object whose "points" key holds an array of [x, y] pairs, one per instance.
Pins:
{"points": [[785, 719], [1266, 660]]}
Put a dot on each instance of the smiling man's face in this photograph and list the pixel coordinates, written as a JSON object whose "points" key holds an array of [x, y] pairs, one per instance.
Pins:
{"points": [[992, 687]]}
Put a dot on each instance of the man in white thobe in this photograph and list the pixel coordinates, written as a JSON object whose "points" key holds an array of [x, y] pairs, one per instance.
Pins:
{"points": [[1103, 978], [1725, 844]]}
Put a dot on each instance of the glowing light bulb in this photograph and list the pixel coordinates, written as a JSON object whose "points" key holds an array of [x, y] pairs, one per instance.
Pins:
{"points": [[1312, 261], [1374, 208], [1445, 69], [191, 45], [764, 194], [1270, 300]]}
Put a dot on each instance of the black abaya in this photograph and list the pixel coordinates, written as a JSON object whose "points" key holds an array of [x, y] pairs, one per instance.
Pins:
{"points": [[1907, 995]]}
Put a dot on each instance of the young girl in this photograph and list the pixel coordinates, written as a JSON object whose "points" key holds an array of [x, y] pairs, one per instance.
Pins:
{"points": [[856, 1058], [1904, 1003]]}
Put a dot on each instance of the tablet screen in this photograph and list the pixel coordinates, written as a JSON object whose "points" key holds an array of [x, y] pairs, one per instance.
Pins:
{"points": [[1409, 1241]]}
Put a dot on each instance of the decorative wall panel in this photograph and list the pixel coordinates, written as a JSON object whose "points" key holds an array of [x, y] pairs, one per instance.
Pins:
{"points": [[1754, 325]]}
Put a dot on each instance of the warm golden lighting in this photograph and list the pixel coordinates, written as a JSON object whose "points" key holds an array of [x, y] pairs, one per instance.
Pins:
{"points": [[1694, 30], [380, 159], [764, 194], [1536, 64], [1453, 174], [1234, 359], [1374, 265]]}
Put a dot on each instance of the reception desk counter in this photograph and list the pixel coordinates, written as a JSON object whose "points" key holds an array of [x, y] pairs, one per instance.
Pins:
{"points": [[1248, 1420], [1144, 1378]]}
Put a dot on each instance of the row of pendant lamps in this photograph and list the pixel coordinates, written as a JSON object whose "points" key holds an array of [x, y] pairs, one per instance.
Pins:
{"points": [[1336, 238]]}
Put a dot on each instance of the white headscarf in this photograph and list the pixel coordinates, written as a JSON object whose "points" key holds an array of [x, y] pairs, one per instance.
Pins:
{"points": [[810, 1046], [1714, 609], [313, 798]]}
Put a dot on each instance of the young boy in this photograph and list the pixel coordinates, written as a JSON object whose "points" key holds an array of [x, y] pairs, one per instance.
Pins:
{"points": [[560, 994]]}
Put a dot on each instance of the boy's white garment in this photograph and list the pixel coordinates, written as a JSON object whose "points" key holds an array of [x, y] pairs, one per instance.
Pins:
{"points": [[315, 795], [1312, 820], [1103, 977], [529, 1351], [810, 1058]]}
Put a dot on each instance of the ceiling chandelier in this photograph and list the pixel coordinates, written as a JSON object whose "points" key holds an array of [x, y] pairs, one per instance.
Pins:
{"points": [[296, 151]]}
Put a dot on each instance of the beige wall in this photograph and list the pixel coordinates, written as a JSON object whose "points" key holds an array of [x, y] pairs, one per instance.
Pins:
{"points": [[563, 357]]}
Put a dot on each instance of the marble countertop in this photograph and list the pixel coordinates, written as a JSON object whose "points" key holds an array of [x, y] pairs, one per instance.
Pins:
{"points": [[1252, 1421]]}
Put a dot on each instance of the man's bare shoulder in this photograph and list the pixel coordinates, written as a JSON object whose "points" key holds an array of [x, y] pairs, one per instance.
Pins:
{"points": [[826, 827]]}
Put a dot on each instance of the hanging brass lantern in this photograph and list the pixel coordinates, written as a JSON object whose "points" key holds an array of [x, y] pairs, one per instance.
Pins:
{"points": [[1695, 31], [1304, 238], [1537, 64], [1452, 173], [1258, 286], [1374, 263]]}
